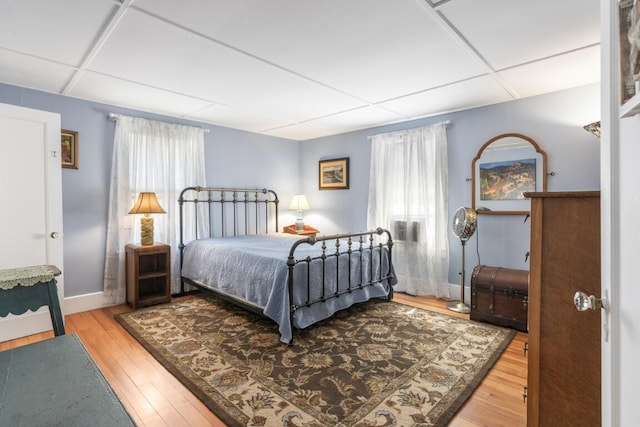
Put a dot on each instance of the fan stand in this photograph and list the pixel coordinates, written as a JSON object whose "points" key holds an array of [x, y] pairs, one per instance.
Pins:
{"points": [[460, 306]]}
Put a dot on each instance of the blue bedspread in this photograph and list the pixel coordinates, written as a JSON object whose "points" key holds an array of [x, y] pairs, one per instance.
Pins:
{"points": [[254, 269]]}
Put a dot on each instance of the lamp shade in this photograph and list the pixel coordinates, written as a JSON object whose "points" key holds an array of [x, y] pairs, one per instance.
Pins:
{"points": [[147, 203], [299, 203]]}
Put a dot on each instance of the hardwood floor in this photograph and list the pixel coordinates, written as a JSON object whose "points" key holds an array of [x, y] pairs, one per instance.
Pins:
{"points": [[154, 397]]}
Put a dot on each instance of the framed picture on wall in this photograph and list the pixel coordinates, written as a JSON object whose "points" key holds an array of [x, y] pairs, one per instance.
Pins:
{"points": [[69, 149], [333, 174]]}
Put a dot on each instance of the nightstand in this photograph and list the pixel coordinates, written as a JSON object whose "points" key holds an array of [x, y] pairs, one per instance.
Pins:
{"points": [[148, 272], [307, 231]]}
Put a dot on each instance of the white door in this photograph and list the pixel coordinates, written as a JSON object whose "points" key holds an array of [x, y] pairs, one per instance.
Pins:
{"points": [[30, 204], [620, 182]]}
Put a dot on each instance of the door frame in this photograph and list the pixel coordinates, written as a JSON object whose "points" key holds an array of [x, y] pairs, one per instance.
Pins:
{"points": [[609, 211]]}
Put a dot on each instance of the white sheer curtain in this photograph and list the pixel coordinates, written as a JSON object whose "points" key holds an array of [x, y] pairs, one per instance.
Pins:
{"points": [[153, 156], [408, 195]]}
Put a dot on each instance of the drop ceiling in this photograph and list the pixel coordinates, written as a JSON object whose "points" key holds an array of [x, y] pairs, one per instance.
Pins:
{"points": [[299, 69]]}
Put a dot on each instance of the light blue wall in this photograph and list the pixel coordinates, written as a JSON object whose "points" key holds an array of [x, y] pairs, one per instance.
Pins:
{"points": [[233, 158], [554, 121], [238, 158]]}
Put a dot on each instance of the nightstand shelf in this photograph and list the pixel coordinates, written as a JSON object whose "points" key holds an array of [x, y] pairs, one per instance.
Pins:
{"points": [[148, 272]]}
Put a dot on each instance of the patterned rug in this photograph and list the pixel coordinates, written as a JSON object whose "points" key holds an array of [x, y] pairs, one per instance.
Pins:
{"points": [[375, 364]]}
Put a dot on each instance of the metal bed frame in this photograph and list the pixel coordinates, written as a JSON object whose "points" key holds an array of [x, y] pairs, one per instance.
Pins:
{"points": [[236, 211]]}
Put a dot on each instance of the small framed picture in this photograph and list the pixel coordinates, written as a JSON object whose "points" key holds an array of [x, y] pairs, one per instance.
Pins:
{"points": [[69, 149], [333, 174]]}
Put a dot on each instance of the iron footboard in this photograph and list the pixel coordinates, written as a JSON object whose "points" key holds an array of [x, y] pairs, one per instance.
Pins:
{"points": [[353, 247]]}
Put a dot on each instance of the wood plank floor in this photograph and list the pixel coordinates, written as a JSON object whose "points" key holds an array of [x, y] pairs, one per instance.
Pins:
{"points": [[154, 397]]}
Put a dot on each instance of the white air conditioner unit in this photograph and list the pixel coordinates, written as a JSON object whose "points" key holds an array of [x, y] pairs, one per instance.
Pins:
{"points": [[406, 231]]}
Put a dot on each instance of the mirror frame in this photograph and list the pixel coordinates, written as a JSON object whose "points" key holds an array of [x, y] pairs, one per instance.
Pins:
{"points": [[541, 185]]}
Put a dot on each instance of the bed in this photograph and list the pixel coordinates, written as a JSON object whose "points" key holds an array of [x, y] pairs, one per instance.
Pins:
{"points": [[230, 246]]}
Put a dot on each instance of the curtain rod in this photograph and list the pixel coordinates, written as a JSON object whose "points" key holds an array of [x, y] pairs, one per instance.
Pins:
{"points": [[114, 117], [447, 124]]}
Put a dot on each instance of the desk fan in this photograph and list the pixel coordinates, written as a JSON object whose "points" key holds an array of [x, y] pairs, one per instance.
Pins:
{"points": [[463, 227]]}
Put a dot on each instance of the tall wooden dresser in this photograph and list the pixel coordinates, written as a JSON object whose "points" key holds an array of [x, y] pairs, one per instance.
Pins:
{"points": [[563, 385]]}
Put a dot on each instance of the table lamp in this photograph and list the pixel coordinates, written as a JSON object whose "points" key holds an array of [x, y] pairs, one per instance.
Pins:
{"points": [[299, 203], [146, 204]]}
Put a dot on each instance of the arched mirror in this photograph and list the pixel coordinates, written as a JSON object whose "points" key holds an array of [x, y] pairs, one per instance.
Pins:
{"points": [[506, 167]]}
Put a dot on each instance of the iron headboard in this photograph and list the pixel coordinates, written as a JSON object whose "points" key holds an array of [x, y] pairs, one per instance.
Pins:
{"points": [[220, 212]]}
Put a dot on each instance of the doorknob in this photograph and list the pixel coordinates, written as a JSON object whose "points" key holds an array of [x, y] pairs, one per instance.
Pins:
{"points": [[55, 235], [585, 302]]}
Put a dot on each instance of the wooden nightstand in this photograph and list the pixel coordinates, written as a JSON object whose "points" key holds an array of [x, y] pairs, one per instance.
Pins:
{"points": [[308, 231], [148, 272]]}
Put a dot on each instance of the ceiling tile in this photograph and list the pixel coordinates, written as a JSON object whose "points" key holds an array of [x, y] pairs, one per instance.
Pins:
{"points": [[468, 94], [109, 90], [371, 50], [31, 72], [564, 71], [300, 131], [61, 30], [360, 118], [146, 50], [223, 115], [508, 32]]}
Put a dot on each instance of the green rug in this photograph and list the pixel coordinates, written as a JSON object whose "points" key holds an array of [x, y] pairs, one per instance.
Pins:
{"points": [[375, 364]]}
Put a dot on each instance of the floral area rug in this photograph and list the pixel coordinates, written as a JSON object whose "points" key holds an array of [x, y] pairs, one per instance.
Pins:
{"points": [[375, 364]]}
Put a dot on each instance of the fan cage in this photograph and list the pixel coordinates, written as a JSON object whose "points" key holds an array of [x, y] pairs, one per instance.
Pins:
{"points": [[464, 223]]}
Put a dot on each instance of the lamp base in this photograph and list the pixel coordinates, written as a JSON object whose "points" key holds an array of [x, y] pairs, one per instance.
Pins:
{"points": [[146, 231], [459, 307], [299, 224]]}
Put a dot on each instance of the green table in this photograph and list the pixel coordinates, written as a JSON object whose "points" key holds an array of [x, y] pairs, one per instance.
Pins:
{"points": [[56, 383]]}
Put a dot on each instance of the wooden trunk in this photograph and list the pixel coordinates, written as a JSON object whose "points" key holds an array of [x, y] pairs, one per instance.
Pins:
{"points": [[500, 296]]}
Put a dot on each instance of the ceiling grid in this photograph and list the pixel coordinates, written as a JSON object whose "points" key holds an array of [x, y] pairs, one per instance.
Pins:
{"points": [[299, 70]]}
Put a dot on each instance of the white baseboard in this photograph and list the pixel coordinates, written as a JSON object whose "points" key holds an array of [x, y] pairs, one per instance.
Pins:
{"points": [[86, 302], [454, 290]]}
